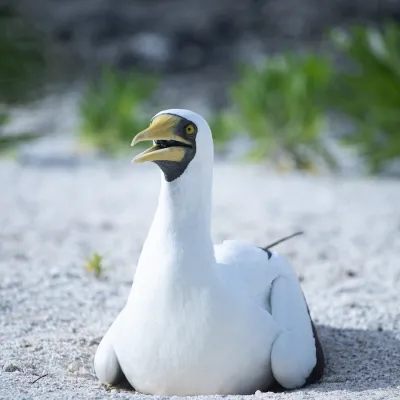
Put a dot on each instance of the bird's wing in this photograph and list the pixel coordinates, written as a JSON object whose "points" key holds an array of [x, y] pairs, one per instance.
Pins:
{"points": [[250, 269], [297, 355]]}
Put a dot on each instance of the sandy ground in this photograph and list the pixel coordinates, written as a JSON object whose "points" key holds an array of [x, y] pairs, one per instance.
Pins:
{"points": [[53, 312]]}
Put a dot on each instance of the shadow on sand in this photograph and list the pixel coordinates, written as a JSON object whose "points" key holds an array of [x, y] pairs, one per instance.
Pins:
{"points": [[358, 360]]}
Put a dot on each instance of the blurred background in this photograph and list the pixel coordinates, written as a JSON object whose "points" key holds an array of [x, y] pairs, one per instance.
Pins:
{"points": [[291, 88], [294, 84]]}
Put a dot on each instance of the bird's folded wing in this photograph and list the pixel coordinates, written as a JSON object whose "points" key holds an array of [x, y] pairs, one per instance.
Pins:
{"points": [[248, 268]]}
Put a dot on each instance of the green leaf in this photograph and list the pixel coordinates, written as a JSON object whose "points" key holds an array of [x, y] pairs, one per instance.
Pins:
{"points": [[280, 103], [369, 93], [110, 109]]}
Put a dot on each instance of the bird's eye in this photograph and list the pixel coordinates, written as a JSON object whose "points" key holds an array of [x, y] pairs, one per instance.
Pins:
{"points": [[189, 129]]}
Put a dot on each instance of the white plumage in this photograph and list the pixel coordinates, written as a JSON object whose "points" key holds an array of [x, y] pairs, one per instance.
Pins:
{"points": [[204, 319]]}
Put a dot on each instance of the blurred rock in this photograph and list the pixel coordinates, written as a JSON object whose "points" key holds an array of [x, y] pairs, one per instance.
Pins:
{"points": [[177, 35]]}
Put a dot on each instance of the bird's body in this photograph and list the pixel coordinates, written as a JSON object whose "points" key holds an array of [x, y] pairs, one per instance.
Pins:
{"points": [[204, 319]]}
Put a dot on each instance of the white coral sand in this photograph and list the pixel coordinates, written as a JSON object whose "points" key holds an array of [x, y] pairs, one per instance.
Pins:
{"points": [[53, 312]]}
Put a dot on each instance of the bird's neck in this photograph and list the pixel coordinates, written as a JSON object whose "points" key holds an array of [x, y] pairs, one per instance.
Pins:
{"points": [[179, 240], [184, 207]]}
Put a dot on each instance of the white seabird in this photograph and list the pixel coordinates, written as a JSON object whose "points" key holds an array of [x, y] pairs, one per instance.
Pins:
{"points": [[204, 319]]}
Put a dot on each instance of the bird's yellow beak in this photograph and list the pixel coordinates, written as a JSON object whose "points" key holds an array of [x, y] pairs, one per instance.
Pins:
{"points": [[162, 128]]}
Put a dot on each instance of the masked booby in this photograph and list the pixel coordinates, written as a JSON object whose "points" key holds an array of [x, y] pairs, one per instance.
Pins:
{"points": [[203, 319]]}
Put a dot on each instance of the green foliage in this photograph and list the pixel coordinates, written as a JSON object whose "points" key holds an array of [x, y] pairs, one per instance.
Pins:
{"points": [[369, 93], [111, 112], [4, 117], [279, 103], [8, 142], [94, 264], [221, 128], [22, 59], [283, 102], [22, 63]]}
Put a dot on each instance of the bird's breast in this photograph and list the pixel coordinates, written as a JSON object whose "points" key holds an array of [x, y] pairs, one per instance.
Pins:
{"points": [[192, 341]]}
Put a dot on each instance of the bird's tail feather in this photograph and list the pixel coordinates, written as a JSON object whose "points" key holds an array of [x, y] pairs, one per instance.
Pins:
{"points": [[266, 248]]}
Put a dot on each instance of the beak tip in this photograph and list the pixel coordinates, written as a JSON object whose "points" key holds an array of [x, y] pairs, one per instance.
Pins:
{"points": [[136, 140]]}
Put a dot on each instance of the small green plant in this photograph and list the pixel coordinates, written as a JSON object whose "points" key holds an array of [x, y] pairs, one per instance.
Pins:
{"points": [[369, 92], [279, 104], [94, 264], [111, 112]]}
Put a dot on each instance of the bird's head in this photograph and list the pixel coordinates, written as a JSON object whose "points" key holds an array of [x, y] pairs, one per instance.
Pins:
{"points": [[180, 138]]}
